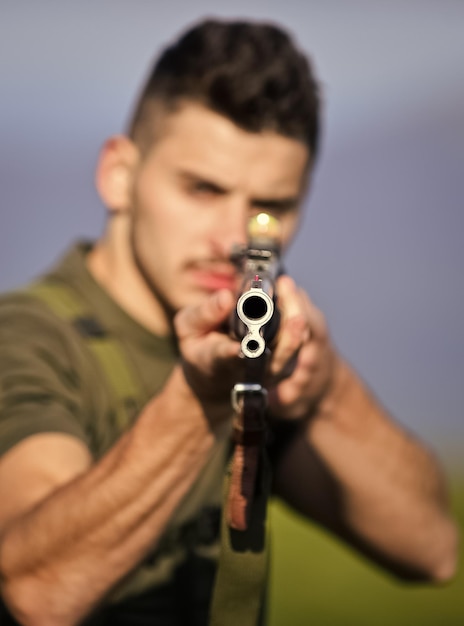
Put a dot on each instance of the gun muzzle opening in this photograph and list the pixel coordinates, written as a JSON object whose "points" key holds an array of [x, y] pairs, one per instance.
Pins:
{"points": [[255, 307], [253, 345]]}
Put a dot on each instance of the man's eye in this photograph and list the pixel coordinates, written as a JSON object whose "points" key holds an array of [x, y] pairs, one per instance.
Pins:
{"points": [[205, 189]]}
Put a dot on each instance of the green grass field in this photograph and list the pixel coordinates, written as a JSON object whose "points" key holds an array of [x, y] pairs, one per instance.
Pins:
{"points": [[317, 581]]}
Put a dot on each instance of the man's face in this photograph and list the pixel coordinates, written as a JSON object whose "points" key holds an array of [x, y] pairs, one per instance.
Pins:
{"points": [[194, 193]]}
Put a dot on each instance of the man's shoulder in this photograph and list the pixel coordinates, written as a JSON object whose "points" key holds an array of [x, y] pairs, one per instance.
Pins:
{"points": [[32, 330], [21, 308], [23, 312], [49, 380], [33, 304]]}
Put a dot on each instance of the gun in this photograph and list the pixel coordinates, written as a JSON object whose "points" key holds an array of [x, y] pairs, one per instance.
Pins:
{"points": [[257, 317], [255, 322]]}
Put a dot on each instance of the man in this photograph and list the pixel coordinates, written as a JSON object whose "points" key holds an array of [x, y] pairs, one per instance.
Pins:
{"points": [[108, 520]]}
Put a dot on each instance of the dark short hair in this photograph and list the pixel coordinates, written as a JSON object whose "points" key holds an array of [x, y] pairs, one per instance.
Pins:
{"points": [[252, 73]]}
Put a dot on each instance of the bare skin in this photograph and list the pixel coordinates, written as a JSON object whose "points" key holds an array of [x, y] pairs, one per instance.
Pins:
{"points": [[352, 468]]}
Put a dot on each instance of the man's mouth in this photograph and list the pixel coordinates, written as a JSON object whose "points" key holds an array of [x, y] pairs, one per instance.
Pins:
{"points": [[214, 277]]}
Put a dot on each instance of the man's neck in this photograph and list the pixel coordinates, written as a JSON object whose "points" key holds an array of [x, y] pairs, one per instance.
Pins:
{"points": [[112, 265]]}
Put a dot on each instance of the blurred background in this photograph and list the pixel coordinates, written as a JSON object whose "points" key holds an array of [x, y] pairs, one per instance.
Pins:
{"points": [[379, 249]]}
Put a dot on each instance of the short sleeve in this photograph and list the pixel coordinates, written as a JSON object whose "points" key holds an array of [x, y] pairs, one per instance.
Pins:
{"points": [[41, 382]]}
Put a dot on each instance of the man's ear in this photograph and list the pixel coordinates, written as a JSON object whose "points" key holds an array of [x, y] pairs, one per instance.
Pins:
{"points": [[115, 173]]}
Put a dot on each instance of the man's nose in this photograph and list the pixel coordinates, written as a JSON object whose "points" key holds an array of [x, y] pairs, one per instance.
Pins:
{"points": [[232, 228]]}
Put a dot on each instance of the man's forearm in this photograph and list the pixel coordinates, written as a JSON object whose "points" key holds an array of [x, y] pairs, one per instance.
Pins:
{"points": [[356, 472], [58, 560], [393, 492]]}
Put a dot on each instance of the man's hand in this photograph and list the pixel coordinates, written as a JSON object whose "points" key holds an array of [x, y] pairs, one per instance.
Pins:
{"points": [[303, 362], [210, 358]]}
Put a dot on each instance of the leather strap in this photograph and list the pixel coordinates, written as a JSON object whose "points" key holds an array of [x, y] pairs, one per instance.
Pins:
{"points": [[249, 436]]}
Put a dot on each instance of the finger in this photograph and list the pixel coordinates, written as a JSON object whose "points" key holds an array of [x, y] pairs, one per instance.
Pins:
{"points": [[294, 329], [284, 401], [316, 321], [290, 304], [219, 347], [293, 304], [291, 337], [204, 317], [213, 354]]}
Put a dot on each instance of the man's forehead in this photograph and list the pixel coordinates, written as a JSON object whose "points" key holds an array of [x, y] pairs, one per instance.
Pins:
{"points": [[204, 142]]}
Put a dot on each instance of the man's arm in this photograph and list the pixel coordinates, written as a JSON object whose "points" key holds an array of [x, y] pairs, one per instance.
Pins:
{"points": [[66, 541], [351, 467], [372, 484]]}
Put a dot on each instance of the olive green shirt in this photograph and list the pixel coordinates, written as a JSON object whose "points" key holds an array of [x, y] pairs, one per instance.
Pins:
{"points": [[51, 382]]}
